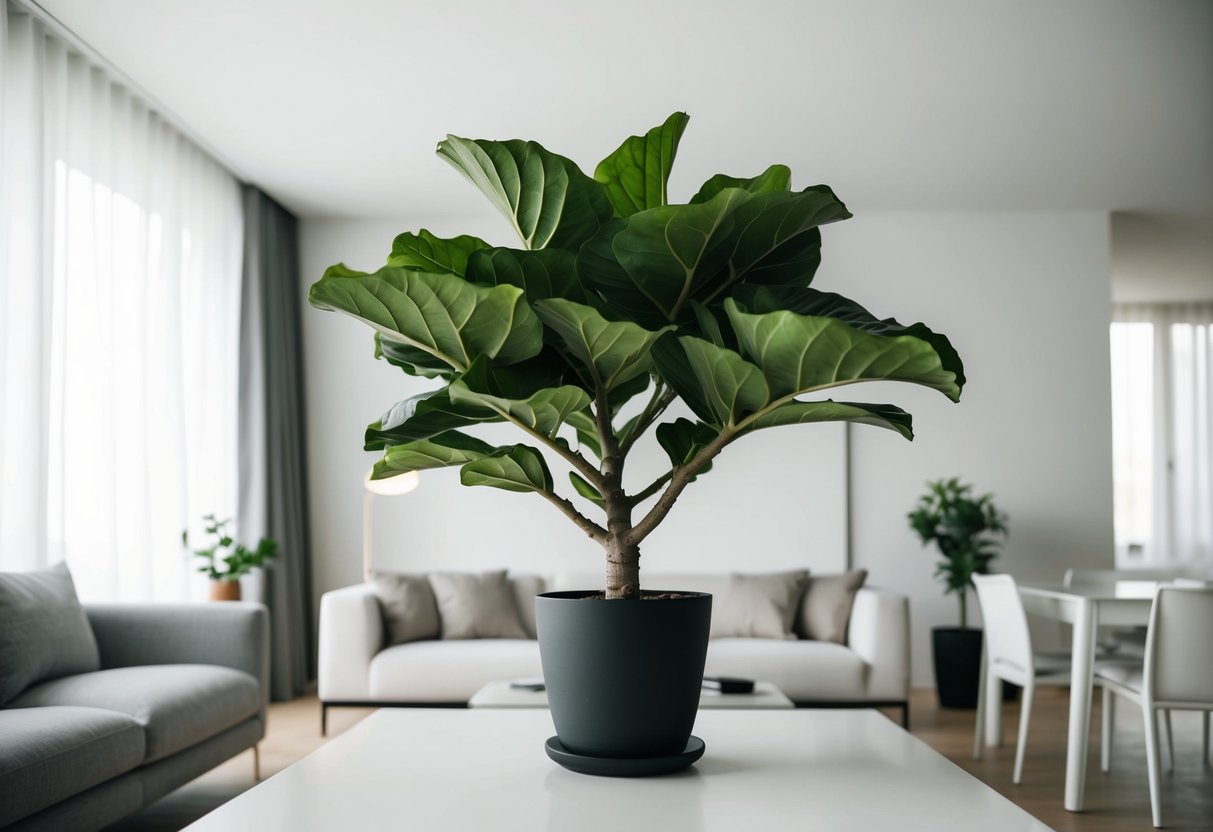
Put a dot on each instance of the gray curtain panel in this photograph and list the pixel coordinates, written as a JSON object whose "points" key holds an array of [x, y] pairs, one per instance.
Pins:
{"points": [[273, 495]]}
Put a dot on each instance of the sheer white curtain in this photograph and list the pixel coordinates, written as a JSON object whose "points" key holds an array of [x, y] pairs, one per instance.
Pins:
{"points": [[120, 269], [1162, 413]]}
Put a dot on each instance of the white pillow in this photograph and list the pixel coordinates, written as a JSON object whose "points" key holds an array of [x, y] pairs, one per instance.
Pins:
{"points": [[758, 606], [476, 605]]}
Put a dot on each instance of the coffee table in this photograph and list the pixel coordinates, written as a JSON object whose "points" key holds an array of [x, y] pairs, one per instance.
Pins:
{"points": [[486, 769], [501, 695]]}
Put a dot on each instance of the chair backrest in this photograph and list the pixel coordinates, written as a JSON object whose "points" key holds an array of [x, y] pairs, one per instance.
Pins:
{"points": [[1007, 637], [1179, 649], [1105, 577]]}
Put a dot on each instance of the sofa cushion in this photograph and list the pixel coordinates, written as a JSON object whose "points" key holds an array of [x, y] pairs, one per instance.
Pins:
{"points": [[526, 587], [476, 605], [825, 609], [804, 670], [449, 671], [44, 632], [410, 612], [758, 606], [177, 705], [49, 754]]}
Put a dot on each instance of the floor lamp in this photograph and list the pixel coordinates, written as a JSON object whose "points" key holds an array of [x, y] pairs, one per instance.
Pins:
{"points": [[389, 487]]}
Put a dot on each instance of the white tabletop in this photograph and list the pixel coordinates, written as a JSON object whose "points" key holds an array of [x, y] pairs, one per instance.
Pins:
{"points": [[501, 695], [1112, 591], [485, 769]]}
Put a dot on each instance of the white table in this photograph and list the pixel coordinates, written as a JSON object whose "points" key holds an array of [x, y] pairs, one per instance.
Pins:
{"points": [[501, 695], [470, 770], [1086, 608]]}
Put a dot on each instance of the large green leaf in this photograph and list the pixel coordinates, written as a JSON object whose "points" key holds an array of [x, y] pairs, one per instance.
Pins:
{"points": [[518, 468], [422, 416], [545, 196], [544, 410], [545, 273], [719, 386], [636, 175], [804, 301], [803, 353], [441, 451], [796, 413], [613, 351], [587, 431], [413, 361], [774, 178], [429, 253], [654, 263], [440, 314]]}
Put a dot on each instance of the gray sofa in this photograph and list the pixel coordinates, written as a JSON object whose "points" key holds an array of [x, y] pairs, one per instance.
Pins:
{"points": [[181, 689]]}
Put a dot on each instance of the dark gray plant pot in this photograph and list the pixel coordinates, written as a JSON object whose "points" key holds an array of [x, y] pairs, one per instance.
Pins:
{"points": [[623, 677]]}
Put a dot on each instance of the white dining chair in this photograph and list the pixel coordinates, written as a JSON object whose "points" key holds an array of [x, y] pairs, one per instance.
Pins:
{"points": [[1177, 675], [1008, 657]]}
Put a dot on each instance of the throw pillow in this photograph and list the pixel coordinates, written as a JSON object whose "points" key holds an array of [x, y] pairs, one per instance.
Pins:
{"points": [[758, 606], [410, 612], [825, 610], [476, 605], [44, 632]]}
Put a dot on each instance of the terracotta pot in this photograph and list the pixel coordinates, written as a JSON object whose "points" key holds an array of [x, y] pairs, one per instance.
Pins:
{"points": [[225, 590]]}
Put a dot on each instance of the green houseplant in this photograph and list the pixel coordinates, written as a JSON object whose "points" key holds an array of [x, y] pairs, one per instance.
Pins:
{"points": [[615, 303], [968, 531], [225, 561]]}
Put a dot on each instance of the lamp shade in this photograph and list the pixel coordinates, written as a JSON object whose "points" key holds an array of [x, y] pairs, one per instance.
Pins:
{"points": [[392, 486]]}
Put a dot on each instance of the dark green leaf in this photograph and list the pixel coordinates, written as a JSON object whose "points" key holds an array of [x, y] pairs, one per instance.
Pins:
{"points": [[800, 353], [518, 468], [428, 253], [414, 361], [545, 273], [544, 410], [796, 412], [441, 451], [804, 301], [613, 351], [545, 196], [682, 439], [635, 176], [422, 416], [585, 489], [774, 178], [441, 314]]}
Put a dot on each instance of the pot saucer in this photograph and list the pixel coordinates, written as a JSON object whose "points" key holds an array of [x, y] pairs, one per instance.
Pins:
{"points": [[624, 766]]}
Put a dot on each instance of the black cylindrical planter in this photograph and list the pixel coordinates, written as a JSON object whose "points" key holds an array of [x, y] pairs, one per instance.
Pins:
{"points": [[623, 677], [957, 655]]}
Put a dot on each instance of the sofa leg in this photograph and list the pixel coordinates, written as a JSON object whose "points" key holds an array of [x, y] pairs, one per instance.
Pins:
{"points": [[905, 715], [257, 763], [324, 719]]}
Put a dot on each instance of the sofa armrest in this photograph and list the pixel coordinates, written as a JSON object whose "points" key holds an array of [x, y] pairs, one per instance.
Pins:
{"points": [[230, 634], [880, 633], [351, 633]]}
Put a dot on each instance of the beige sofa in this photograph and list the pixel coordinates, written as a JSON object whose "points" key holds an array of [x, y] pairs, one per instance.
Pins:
{"points": [[357, 669]]}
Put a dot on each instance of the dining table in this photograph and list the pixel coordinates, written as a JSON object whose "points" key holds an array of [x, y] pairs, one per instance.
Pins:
{"points": [[1086, 608]]}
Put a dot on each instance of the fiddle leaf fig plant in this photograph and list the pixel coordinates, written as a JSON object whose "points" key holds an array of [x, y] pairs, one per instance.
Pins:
{"points": [[613, 296], [968, 530]]}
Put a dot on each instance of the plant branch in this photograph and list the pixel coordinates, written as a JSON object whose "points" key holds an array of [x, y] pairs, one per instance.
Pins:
{"points": [[682, 476], [595, 532], [574, 458], [660, 400], [652, 488]]}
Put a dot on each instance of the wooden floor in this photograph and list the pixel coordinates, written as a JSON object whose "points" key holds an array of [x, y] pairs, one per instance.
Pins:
{"points": [[1115, 801]]}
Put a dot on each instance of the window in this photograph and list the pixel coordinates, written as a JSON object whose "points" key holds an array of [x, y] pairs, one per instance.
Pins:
{"points": [[1162, 430], [120, 257]]}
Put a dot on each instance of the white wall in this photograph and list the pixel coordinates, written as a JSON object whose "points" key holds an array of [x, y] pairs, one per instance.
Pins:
{"points": [[1025, 299]]}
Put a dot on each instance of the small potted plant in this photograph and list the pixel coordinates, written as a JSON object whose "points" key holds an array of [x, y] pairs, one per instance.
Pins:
{"points": [[225, 561], [968, 532], [617, 303]]}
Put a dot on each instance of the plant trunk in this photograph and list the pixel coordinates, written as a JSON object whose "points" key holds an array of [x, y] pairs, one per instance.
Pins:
{"points": [[623, 561]]}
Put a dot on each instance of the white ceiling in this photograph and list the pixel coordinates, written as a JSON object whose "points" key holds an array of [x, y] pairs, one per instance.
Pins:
{"points": [[335, 107]]}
